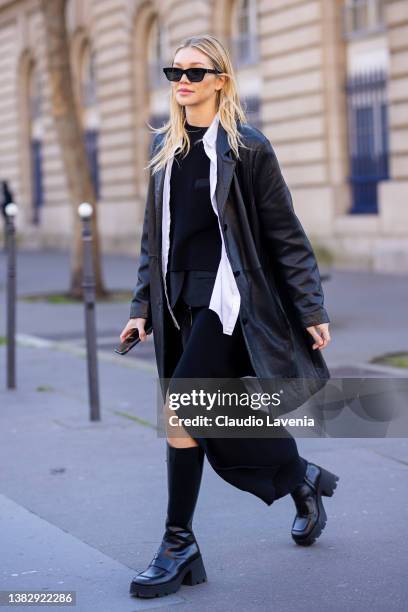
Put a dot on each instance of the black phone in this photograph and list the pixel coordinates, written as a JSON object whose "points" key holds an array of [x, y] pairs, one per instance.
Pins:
{"points": [[131, 341]]}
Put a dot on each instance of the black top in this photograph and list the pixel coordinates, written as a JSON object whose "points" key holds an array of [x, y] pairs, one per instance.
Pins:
{"points": [[195, 242]]}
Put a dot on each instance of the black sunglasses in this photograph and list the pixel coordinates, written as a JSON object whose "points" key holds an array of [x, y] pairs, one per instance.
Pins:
{"points": [[194, 75]]}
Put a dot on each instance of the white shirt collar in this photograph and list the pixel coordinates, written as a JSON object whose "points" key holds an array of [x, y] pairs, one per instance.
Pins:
{"points": [[210, 136]]}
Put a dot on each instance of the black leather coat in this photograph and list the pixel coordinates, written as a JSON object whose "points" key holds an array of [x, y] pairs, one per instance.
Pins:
{"points": [[275, 268]]}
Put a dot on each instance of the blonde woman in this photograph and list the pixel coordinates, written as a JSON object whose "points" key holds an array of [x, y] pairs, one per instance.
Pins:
{"points": [[230, 285]]}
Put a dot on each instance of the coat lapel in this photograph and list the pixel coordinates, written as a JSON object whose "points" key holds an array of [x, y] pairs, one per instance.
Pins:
{"points": [[158, 201], [225, 169]]}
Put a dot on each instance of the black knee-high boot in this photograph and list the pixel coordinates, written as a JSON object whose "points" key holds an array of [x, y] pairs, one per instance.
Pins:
{"points": [[178, 560]]}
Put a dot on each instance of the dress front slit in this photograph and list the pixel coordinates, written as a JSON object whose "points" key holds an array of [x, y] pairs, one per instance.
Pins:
{"points": [[269, 468]]}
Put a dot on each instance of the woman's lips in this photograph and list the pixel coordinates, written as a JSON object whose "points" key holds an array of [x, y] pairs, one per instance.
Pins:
{"points": [[184, 91]]}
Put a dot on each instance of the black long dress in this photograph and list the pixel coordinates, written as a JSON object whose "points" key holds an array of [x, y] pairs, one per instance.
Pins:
{"points": [[267, 467]]}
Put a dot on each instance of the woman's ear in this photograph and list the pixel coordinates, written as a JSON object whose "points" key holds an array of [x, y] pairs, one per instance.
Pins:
{"points": [[220, 79]]}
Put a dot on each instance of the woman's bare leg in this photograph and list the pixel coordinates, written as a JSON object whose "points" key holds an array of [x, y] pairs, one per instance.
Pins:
{"points": [[176, 434]]}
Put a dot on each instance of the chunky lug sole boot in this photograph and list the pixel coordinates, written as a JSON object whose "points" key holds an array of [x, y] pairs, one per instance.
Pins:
{"points": [[178, 560], [311, 517]]}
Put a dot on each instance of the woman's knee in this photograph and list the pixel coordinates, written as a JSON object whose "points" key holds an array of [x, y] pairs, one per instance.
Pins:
{"points": [[176, 434]]}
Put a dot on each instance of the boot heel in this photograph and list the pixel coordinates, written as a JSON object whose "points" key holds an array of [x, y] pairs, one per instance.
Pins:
{"points": [[328, 482], [195, 573]]}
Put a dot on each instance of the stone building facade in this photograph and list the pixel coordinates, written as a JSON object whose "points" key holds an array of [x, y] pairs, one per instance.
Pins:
{"points": [[326, 80]]}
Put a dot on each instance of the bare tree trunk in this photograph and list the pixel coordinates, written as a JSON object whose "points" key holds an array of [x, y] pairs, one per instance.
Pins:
{"points": [[70, 137]]}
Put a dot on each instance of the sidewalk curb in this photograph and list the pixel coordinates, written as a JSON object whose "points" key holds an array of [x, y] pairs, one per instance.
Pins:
{"points": [[73, 349], [390, 370]]}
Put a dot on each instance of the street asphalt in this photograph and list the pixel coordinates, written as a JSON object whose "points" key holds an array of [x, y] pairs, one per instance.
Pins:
{"points": [[82, 503]]}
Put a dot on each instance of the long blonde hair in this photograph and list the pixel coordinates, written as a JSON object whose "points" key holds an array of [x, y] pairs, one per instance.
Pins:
{"points": [[228, 105]]}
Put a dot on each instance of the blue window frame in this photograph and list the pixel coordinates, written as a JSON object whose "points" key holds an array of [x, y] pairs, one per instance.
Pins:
{"points": [[368, 139], [91, 145], [36, 178]]}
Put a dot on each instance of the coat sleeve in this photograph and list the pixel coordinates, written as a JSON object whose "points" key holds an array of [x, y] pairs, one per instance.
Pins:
{"points": [[140, 304], [285, 237]]}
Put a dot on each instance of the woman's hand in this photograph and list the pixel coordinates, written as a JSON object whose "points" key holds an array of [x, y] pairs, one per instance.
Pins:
{"points": [[321, 334], [138, 323]]}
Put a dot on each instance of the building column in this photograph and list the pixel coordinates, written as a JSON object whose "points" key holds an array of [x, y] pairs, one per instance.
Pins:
{"points": [[392, 248], [119, 210], [303, 63]]}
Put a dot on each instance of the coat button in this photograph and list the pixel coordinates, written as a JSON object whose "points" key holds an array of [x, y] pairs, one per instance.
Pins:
{"points": [[237, 273], [225, 227], [244, 320]]}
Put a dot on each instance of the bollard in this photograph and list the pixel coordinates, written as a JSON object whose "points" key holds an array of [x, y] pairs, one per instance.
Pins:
{"points": [[88, 285], [11, 211]]}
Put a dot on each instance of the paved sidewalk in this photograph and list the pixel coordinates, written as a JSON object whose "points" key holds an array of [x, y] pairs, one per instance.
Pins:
{"points": [[82, 504]]}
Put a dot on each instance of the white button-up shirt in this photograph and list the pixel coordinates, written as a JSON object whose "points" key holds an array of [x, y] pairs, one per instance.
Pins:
{"points": [[225, 298]]}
